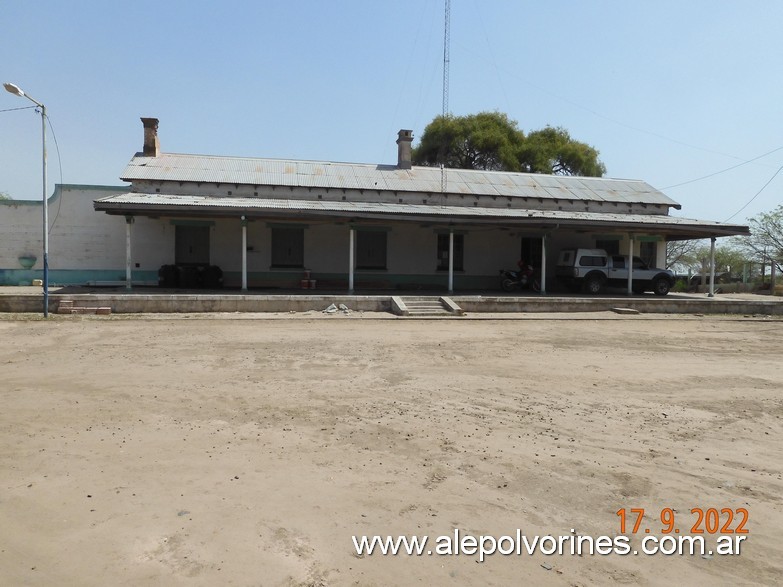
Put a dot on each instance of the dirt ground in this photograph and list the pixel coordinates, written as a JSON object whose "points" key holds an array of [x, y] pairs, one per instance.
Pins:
{"points": [[248, 450]]}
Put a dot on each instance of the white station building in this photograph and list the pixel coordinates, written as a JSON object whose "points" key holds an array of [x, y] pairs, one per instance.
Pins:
{"points": [[270, 223]]}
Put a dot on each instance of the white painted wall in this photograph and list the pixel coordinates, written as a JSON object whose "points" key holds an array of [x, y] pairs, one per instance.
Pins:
{"points": [[83, 240], [79, 237]]}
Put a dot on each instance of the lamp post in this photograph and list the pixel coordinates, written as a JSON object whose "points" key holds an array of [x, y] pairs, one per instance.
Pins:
{"points": [[16, 90]]}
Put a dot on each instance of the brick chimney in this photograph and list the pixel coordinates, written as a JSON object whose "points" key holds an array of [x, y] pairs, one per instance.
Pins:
{"points": [[404, 140], [151, 142]]}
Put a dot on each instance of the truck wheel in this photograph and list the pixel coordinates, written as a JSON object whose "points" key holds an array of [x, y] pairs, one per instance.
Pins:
{"points": [[661, 286], [593, 285]]}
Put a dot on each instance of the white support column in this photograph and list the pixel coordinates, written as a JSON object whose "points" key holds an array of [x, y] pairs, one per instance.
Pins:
{"points": [[128, 255], [543, 264], [244, 253], [630, 264], [451, 260], [712, 267], [350, 260], [660, 255]]}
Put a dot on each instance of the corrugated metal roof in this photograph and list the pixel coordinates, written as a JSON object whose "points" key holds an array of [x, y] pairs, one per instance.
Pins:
{"points": [[321, 174], [131, 202]]}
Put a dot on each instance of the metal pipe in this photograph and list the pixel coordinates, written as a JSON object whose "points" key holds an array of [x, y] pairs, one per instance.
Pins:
{"points": [[128, 253], [244, 253], [543, 264], [45, 218], [451, 260], [630, 264], [350, 260], [712, 267]]}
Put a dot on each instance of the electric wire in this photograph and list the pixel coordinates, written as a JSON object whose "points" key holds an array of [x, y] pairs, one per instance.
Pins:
{"points": [[20, 108], [60, 166], [472, 53], [774, 175], [492, 55], [722, 170]]}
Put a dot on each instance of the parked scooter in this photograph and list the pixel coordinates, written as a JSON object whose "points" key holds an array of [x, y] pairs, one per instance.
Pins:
{"points": [[524, 278]]}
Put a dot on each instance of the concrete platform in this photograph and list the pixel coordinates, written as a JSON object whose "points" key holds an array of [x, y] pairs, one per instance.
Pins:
{"points": [[155, 300]]}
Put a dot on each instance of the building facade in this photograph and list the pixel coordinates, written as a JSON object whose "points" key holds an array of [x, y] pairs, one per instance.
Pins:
{"points": [[270, 223]]}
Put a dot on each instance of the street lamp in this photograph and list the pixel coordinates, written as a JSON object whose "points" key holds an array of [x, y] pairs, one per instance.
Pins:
{"points": [[16, 90]]}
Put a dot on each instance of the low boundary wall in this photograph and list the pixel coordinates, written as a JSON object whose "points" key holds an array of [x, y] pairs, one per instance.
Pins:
{"points": [[131, 303]]}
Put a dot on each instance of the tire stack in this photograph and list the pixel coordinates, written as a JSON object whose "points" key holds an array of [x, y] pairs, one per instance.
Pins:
{"points": [[167, 276], [213, 277], [190, 276]]}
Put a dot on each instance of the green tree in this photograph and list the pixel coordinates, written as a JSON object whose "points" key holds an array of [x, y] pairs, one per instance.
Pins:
{"points": [[493, 142], [766, 241], [5, 196], [681, 255], [552, 150], [694, 256], [487, 140]]}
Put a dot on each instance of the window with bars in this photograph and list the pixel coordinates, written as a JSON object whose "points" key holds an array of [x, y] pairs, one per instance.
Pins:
{"points": [[443, 252]]}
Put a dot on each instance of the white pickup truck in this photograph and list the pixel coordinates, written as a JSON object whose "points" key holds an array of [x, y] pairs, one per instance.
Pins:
{"points": [[590, 270]]}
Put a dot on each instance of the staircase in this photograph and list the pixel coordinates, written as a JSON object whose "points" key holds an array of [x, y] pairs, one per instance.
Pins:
{"points": [[421, 306]]}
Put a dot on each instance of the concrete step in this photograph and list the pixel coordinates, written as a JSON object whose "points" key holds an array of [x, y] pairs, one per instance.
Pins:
{"points": [[425, 306], [67, 307]]}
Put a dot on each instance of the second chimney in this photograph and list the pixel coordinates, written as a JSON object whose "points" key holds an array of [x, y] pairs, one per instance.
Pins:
{"points": [[404, 140], [151, 141]]}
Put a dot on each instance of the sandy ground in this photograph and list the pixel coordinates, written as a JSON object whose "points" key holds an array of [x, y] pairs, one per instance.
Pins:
{"points": [[248, 451]]}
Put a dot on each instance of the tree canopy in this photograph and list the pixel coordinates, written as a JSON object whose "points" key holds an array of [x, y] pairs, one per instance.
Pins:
{"points": [[552, 150], [488, 140], [766, 240], [694, 256], [493, 142], [4, 196]]}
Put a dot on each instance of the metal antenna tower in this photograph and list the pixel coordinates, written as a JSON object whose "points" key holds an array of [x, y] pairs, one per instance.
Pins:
{"points": [[446, 43], [445, 109]]}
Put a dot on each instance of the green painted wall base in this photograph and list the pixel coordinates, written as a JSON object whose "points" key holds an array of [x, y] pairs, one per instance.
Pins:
{"points": [[71, 276]]}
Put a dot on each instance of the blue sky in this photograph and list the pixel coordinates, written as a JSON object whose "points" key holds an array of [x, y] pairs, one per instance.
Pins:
{"points": [[669, 91]]}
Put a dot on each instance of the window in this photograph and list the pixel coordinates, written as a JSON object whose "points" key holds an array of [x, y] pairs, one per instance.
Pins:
{"points": [[618, 262], [287, 248], [443, 252], [370, 249]]}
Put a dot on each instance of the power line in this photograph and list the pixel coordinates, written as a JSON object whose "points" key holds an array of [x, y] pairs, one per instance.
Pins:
{"points": [[60, 165], [774, 175], [21, 108], [472, 53], [722, 170]]}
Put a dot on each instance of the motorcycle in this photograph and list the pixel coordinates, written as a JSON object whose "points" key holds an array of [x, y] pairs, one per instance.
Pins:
{"points": [[511, 280]]}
